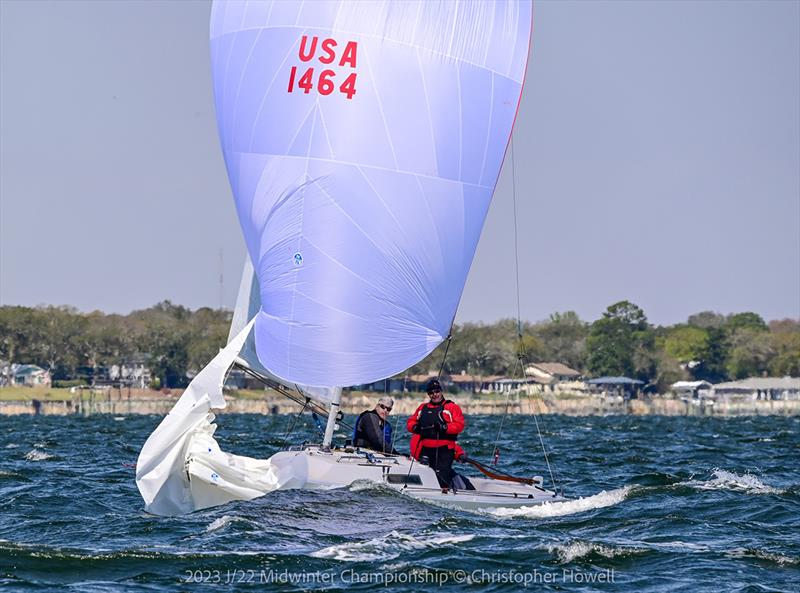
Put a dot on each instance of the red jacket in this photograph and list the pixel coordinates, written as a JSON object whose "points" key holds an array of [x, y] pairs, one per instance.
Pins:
{"points": [[455, 424]]}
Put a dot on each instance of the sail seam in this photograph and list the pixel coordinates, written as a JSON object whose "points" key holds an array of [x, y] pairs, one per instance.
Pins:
{"points": [[266, 94], [441, 54], [380, 109], [430, 114], [367, 165]]}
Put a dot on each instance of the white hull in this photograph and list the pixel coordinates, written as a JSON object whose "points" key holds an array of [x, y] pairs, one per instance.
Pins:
{"points": [[313, 468], [182, 469]]}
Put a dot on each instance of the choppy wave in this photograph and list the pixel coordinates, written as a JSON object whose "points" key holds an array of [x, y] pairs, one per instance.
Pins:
{"points": [[771, 557], [361, 485], [570, 507], [387, 547], [724, 480], [222, 522], [576, 550], [37, 455], [689, 514]]}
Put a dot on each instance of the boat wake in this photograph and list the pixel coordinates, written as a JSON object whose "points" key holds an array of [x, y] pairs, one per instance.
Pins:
{"points": [[387, 547], [570, 507], [725, 480]]}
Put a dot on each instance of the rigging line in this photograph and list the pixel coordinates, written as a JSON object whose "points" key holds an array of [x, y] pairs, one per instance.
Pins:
{"points": [[298, 398], [296, 418], [521, 355], [544, 450], [446, 349], [516, 242], [397, 421], [496, 450]]}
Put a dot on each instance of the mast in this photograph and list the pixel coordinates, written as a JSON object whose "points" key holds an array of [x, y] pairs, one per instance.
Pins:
{"points": [[332, 416]]}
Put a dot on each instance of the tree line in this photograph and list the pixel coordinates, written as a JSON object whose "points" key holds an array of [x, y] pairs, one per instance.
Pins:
{"points": [[175, 342], [708, 346]]}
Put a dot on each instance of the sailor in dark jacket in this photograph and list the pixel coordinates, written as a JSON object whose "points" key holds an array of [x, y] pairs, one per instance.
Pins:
{"points": [[372, 429]]}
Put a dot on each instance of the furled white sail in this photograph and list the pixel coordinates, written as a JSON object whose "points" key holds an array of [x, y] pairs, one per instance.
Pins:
{"points": [[188, 432]]}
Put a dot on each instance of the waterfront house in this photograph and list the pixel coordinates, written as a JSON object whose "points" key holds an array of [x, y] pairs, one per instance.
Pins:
{"points": [[552, 371], [759, 388], [623, 386], [692, 389], [132, 372], [30, 375], [556, 377]]}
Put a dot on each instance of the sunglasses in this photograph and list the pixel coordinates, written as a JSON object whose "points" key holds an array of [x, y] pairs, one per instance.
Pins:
{"points": [[434, 391], [385, 408]]}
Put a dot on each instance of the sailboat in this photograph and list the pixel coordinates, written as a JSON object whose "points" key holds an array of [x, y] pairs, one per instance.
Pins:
{"points": [[363, 142]]}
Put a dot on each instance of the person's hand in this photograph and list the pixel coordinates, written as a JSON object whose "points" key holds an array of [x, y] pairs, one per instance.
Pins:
{"points": [[417, 429], [441, 425]]}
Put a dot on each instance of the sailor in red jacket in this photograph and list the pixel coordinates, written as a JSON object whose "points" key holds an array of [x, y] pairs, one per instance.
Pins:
{"points": [[435, 425]]}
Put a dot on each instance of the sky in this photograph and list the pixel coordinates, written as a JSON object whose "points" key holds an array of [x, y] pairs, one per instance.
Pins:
{"points": [[656, 159]]}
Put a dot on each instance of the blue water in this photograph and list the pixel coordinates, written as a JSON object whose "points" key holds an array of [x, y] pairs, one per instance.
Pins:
{"points": [[669, 504]]}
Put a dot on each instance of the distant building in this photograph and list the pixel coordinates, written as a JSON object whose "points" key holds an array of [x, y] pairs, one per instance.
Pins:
{"points": [[624, 386], [527, 385], [759, 388], [692, 389], [556, 377], [133, 372], [553, 371], [30, 375]]}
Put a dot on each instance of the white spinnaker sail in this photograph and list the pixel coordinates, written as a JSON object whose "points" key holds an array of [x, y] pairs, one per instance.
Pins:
{"points": [[248, 304], [363, 141]]}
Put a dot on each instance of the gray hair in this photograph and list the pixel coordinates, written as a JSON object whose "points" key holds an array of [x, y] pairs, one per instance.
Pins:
{"points": [[386, 401]]}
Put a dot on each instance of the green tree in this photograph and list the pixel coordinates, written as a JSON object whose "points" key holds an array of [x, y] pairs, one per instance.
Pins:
{"points": [[785, 336], [483, 349], [563, 339], [714, 367], [706, 320], [621, 342], [16, 325], [751, 351], [747, 320], [687, 344]]}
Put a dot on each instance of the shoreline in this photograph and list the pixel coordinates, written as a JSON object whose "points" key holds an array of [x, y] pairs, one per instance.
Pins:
{"points": [[118, 402]]}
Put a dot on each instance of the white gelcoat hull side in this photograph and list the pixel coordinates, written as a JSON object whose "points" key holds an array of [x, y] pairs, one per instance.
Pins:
{"points": [[315, 469]]}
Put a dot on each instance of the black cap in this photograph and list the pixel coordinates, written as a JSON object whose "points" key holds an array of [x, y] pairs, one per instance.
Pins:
{"points": [[433, 384]]}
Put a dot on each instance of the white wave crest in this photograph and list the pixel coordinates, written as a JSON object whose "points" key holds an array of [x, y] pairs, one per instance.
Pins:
{"points": [[570, 507], [221, 522], [779, 559], [386, 547], [36, 455], [566, 553], [725, 480], [361, 485]]}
